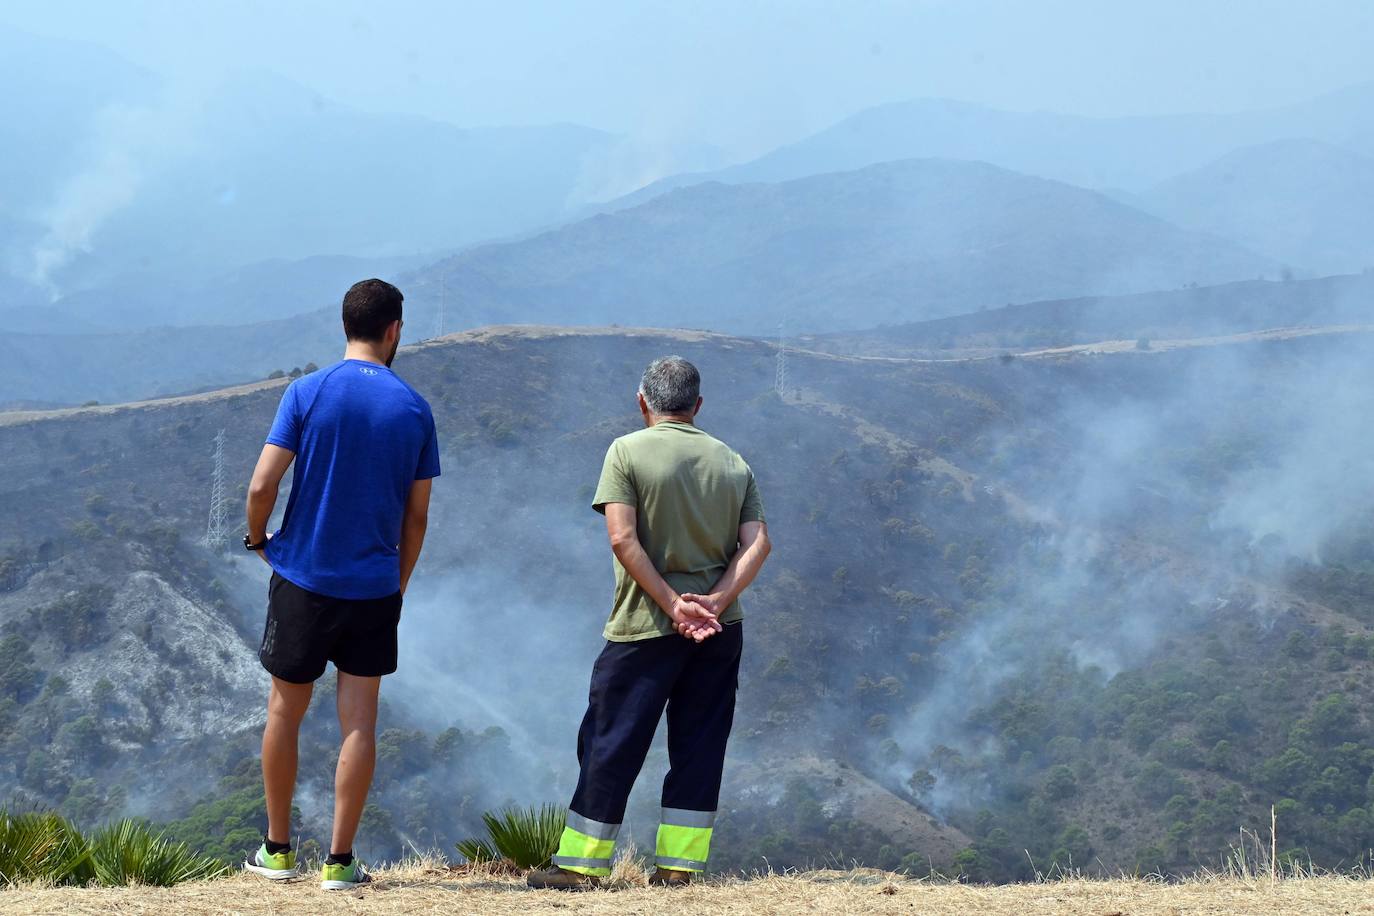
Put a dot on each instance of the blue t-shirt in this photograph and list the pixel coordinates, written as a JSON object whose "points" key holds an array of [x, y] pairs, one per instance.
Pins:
{"points": [[361, 437]]}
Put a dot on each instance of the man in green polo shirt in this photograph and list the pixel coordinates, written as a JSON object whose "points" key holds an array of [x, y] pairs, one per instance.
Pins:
{"points": [[686, 526]]}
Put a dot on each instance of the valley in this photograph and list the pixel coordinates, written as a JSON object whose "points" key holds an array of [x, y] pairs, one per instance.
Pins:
{"points": [[919, 507]]}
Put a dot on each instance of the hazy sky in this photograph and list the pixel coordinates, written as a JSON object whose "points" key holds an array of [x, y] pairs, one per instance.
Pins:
{"points": [[740, 74]]}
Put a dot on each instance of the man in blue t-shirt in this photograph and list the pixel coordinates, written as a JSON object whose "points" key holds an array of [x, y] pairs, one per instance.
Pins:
{"points": [[365, 451]]}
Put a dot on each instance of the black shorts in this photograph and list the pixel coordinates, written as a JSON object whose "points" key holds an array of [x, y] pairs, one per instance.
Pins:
{"points": [[305, 631]]}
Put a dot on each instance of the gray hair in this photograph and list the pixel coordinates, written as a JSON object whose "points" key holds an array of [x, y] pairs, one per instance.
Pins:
{"points": [[670, 385]]}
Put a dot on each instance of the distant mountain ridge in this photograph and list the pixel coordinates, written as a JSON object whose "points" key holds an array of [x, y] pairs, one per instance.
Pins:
{"points": [[900, 241], [889, 244], [1304, 202], [154, 362], [258, 292], [1133, 152], [1227, 309]]}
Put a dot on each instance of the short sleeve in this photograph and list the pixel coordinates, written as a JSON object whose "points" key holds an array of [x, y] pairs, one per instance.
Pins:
{"points": [[751, 510], [615, 485], [286, 428], [428, 465]]}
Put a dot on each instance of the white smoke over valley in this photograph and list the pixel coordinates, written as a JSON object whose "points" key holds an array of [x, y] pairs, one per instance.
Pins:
{"points": [[1321, 479], [1181, 494], [127, 145]]}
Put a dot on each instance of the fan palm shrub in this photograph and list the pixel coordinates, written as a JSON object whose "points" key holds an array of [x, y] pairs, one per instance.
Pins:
{"points": [[528, 837], [131, 852], [477, 849], [41, 846]]}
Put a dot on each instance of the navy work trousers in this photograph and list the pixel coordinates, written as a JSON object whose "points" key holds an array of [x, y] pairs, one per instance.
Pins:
{"points": [[632, 682]]}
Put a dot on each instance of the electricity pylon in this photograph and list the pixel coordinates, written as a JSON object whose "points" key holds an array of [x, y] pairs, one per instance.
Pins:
{"points": [[217, 526]]}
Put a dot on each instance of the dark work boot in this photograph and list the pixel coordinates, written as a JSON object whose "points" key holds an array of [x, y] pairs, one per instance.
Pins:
{"points": [[669, 877], [560, 879]]}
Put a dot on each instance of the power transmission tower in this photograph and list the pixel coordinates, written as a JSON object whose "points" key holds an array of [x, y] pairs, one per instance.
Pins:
{"points": [[217, 527], [780, 371]]}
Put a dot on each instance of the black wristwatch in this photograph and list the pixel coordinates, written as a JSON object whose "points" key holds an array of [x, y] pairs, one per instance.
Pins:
{"points": [[248, 543]]}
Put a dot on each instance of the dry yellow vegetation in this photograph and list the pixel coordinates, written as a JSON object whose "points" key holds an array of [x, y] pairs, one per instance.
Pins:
{"points": [[439, 889]]}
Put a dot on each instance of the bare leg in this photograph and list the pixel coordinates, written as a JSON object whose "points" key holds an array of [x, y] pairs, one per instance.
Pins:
{"points": [[286, 706], [357, 755]]}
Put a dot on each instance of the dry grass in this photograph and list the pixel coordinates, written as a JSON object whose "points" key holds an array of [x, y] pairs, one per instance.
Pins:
{"points": [[433, 887]]}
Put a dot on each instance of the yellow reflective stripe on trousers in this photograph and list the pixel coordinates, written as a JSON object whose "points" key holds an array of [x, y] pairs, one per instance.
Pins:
{"points": [[585, 854], [683, 848]]}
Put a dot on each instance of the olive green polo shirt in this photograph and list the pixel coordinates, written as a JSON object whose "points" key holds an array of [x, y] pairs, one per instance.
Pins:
{"points": [[691, 492]]}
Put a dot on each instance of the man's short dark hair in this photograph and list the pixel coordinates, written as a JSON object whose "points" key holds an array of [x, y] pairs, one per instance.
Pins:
{"points": [[369, 307], [670, 385]]}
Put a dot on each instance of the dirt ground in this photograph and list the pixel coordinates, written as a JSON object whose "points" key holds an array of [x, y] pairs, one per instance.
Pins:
{"points": [[441, 890]]}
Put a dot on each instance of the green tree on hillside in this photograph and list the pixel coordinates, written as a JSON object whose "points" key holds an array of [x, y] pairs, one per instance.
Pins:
{"points": [[19, 679]]}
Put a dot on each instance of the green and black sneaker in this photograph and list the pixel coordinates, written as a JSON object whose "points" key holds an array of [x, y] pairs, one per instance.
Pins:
{"points": [[344, 877], [275, 866]]}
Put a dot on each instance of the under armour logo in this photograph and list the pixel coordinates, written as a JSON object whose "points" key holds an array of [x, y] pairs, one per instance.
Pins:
{"points": [[366, 371]]}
